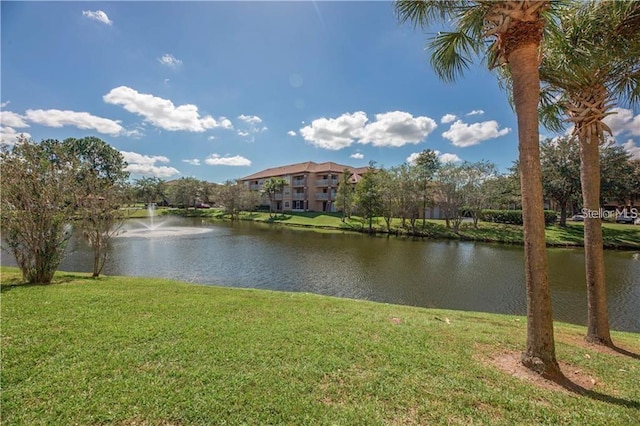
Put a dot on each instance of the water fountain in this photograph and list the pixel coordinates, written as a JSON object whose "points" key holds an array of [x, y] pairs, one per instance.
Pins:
{"points": [[153, 228]]}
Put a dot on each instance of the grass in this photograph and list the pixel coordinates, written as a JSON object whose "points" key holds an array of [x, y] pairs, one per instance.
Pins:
{"points": [[147, 351], [616, 236]]}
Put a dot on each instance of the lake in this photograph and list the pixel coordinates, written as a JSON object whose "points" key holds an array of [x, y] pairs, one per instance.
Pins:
{"points": [[438, 274]]}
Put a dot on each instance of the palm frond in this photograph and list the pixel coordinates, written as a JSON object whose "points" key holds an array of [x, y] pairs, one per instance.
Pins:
{"points": [[551, 110], [630, 25], [471, 19], [424, 13], [452, 53], [627, 88]]}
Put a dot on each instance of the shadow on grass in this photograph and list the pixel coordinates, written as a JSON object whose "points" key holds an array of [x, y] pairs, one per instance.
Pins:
{"points": [[279, 218], [573, 387], [629, 237], [625, 352], [502, 233], [568, 234], [16, 282], [613, 237]]}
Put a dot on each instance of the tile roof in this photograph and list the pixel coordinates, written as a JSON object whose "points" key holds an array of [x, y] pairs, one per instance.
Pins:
{"points": [[306, 167]]}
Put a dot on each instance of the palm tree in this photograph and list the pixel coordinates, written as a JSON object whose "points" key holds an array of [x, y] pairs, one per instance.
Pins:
{"points": [[271, 187], [589, 66], [514, 30]]}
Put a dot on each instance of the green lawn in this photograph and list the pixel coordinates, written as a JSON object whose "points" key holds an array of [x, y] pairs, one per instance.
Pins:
{"points": [[131, 351], [615, 235]]}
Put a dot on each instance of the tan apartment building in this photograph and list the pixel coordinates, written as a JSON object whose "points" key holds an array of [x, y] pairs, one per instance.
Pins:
{"points": [[311, 186]]}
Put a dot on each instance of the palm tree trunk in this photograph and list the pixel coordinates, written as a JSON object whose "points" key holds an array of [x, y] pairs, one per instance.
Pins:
{"points": [[540, 353], [597, 315]]}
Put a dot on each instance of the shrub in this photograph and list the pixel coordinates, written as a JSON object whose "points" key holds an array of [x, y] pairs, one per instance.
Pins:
{"points": [[514, 216]]}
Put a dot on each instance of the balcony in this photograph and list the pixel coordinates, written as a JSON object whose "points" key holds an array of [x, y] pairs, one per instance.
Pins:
{"points": [[322, 195], [255, 187], [326, 182], [299, 196], [299, 182]]}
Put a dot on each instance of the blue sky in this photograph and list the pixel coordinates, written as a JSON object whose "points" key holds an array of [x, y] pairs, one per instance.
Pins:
{"points": [[220, 90]]}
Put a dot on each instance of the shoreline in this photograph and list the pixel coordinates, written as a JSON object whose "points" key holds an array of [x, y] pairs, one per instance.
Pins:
{"points": [[616, 237]]}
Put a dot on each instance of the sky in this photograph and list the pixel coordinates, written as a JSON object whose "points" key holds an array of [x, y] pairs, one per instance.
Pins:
{"points": [[221, 90]]}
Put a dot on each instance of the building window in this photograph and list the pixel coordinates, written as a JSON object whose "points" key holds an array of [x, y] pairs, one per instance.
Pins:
{"points": [[286, 204]]}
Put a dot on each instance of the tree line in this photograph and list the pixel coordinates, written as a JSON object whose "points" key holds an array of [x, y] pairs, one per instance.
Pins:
{"points": [[49, 186]]}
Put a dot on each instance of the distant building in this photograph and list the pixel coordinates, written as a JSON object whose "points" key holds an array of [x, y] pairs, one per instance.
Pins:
{"points": [[312, 186]]}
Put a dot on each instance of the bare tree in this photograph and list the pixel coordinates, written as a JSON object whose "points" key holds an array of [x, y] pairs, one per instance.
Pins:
{"points": [[476, 193], [100, 183], [38, 203], [235, 198], [450, 184]]}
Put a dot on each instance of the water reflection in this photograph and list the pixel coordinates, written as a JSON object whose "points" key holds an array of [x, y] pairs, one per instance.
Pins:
{"points": [[443, 274]]}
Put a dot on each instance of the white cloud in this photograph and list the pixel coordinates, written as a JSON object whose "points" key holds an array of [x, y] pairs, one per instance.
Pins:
{"points": [[217, 160], [462, 134], [9, 136], [632, 149], [97, 15], [136, 133], [210, 138], [156, 171], [449, 158], [170, 61], [411, 159], [193, 162], [134, 157], [144, 165], [291, 133], [623, 121], [250, 119], [161, 112], [390, 129], [448, 118], [81, 120], [4, 104], [335, 133], [11, 119], [357, 156], [225, 123], [251, 123], [475, 112], [444, 158], [396, 129], [634, 126]]}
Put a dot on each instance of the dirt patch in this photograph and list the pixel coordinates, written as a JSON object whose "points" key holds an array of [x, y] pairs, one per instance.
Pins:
{"points": [[575, 379], [579, 340], [395, 320]]}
